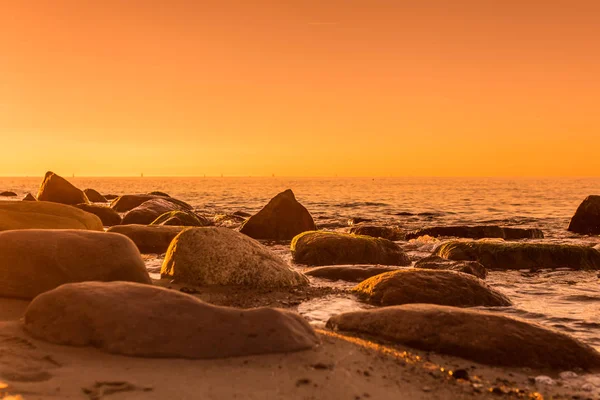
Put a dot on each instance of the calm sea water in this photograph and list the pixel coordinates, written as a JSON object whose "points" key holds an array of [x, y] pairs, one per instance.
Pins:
{"points": [[566, 300]]}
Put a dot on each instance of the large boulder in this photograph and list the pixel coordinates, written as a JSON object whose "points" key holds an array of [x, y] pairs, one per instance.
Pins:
{"points": [[281, 219], [330, 248], [33, 261], [8, 194], [149, 321], [29, 197], [477, 232], [468, 267], [130, 201], [350, 273], [149, 211], [476, 335], [107, 215], [149, 238], [504, 256], [58, 190], [181, 218], [94, 196], [413, 285], [587, 217], [386, 232], [45, 215], [221, 256]]}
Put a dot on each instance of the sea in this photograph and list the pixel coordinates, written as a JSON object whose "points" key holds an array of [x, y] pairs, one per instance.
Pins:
{"points": [[563, 299]]}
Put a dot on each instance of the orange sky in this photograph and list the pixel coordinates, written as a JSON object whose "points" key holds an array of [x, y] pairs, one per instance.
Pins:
{"points": [[300, 87]]}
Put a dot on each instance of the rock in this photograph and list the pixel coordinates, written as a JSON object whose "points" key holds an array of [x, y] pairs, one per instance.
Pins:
{"points": [[221, 256], [587, 217], [386, 232], [484, 337], [413, 285], [242, 214], [228, 220], [33, 261], [468, 267], [159, 322], [149, 211], [330, 248], [477, 232], [107, 215], [58, 190], [504, 256], [110, 196], [596, 247], [94, 196], [45, 215], [149, 238], [350, 273], [29, 197], [130, 201], [181, 218], [281, 219], [8, 194], [157, 193]]}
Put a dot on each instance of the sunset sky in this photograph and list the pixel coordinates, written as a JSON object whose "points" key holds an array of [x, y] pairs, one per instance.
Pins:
{"points": [[300, 87]]}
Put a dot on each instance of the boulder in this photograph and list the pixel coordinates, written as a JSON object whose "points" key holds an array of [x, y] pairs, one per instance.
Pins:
{"points": [[8, 194], [149, 238], [158, 322], [330, 248], [480, 336], [221, 256], [504, 256], [33, 261], [158, 193], [130, 201], [281, 219], [181, 218], [29, 197], [350, 273], [110, 197], [448, 288], [386, 232], [107, 215], [468, 267], [149, 211], [58, 190], [477, 232], [587, 217], [94, 196], [45, 215]]}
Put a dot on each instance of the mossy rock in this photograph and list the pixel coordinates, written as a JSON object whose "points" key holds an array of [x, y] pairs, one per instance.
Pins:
{"points": [[181, 218], [386, 232]]}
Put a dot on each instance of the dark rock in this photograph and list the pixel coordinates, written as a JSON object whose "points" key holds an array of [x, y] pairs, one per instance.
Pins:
{"points": [[107, 215], [181, 218], [587, 217], [8, 194], [149, 238], [149, 211], [130, 201], [94, 196], [350, 273], [58, 190], [242, 214], [386, 232], [29, 197], [468, 267], [157, 193], [110, 196], [477, 232]]}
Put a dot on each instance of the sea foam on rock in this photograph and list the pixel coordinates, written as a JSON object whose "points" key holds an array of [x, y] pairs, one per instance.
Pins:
{"points": [[477, 232], [413, 285], [330, 248], [587, 217], [484, 337], [34, 261], [148, 321], [149, 238], [107, 215], [505, 256], [56, 189], [468, 267], [45, 215], [221, 256]]}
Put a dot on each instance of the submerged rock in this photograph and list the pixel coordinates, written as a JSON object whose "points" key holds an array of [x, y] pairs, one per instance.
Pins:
{"points": [[94, 196], [281, 219], [221, 256], [468, 267], [330, 248], [587, 217], [149, 238], [8, 194], [350, 273], [29, 197], [45, 215], [477, 232], [386, 232], [480, 336], [448, 288], [107, 215], [149, 211], [504, 256], [130, 201], [181, 218], [158, 322], [58, 190], [34, 261]]}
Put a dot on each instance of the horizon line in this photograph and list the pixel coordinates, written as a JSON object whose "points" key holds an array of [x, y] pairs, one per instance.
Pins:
{"points": [[310, 176]]}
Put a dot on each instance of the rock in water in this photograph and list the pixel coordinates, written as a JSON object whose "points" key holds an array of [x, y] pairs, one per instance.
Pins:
{"points": [[149, 238], [149, 211], [94, 196], [181, 218], [34, 261], [386, 232], [130, 201], [447, 288], [158, 322], [281, 219], [477, 232], [8, 194], [504, 256], [107, 215], [29, 197], [158, 193], [350, 273], [330, 248], [468, 267], [45, 215], [58, 190], [220, 256], [484, 337], [587, 217]]}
